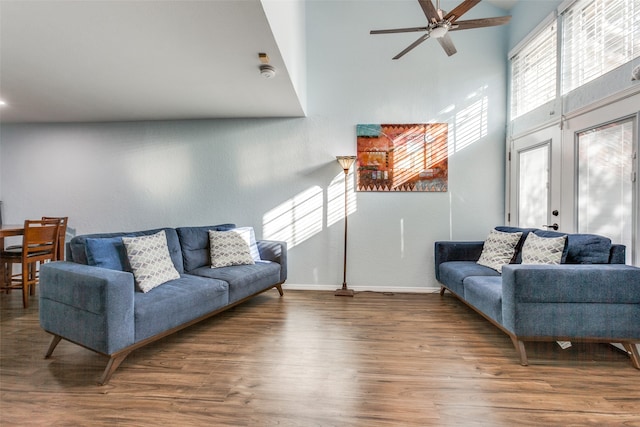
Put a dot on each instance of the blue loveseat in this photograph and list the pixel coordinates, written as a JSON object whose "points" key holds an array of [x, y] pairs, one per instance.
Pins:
{"points": [[591, 296], [91, 298]]}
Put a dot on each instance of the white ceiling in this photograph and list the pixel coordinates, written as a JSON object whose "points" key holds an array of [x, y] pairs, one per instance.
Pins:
{"points": [[108, 60], [64, 61]]}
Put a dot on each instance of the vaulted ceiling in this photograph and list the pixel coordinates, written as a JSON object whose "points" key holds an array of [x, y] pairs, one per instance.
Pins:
{"points": [[81, 61]]}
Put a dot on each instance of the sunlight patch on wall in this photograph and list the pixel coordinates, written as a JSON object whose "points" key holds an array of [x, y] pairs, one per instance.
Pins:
{"points": [[468, 120], [297, 219], [471, 123], [335, 197]]}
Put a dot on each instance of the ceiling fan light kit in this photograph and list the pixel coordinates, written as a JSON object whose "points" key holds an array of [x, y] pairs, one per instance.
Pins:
{"points": [[439, 23]]}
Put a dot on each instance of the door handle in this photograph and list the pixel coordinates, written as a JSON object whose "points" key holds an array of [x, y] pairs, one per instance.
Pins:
{"points": [[554, 226]]}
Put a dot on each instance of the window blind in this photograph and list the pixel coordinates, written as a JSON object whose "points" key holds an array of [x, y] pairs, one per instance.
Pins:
{"points": [[598, 36], [533, 73]]}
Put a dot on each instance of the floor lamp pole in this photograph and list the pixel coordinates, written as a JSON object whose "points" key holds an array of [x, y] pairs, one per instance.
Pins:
{"points": [[345, 162]]}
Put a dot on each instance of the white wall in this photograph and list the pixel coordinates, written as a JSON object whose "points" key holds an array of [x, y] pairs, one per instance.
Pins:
{"points": [[281, 174]]}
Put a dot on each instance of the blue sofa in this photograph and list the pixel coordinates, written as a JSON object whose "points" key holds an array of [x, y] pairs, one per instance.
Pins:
{"points": [[591, 296], [93, 301]]}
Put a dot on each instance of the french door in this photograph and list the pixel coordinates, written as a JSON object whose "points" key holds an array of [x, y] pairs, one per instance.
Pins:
{"points": [[583, 178], [534, 199], [602, 151]]}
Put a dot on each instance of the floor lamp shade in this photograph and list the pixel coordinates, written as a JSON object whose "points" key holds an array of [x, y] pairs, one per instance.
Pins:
{"points": [[346, 162]]}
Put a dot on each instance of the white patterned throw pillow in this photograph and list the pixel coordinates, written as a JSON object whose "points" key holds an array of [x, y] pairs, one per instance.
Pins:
{"points": [[543, 250], [228, 248], [249, 236], [499, 249], [150, 260]]}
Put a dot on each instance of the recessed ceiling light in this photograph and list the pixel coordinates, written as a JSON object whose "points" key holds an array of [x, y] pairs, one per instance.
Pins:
{"points": [[2, 103]]}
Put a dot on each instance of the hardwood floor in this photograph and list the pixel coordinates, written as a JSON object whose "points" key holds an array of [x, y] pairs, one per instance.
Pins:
{"points": [[312, 359]]}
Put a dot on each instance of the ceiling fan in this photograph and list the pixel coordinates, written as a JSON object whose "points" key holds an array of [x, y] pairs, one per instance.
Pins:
{"points": [[440, 23]]}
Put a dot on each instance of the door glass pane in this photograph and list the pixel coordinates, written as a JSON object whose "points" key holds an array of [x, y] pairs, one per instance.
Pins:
{"points": [[605, 190], [533, 186]]}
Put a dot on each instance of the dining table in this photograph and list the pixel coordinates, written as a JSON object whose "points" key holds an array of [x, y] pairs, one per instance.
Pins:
{"points": [[9, 230]]}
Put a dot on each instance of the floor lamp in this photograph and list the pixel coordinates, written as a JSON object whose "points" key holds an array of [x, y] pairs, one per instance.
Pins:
{"points": [[345, 162]]}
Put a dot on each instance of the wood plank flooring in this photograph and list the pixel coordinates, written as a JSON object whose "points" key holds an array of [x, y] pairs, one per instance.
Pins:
{"points": [[313, 359]]}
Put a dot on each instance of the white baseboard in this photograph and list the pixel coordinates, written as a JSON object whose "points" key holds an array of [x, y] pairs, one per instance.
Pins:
{"points": [[385, 289]]}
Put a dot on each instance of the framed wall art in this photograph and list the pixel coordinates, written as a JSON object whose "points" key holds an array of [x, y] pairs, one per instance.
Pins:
{"points": [[402, 157]]}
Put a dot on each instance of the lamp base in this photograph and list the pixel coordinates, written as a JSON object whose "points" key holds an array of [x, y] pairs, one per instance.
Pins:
{"points": [[344, 292]]}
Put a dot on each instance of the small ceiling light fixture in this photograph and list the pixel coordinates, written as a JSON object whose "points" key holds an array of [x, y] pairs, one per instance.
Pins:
{"points": [[267, 71], [440, 31]]}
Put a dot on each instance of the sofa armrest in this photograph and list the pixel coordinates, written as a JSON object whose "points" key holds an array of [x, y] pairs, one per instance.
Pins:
{"points": [[88, 305], [276, 251], [579, 299], [456, 251]]}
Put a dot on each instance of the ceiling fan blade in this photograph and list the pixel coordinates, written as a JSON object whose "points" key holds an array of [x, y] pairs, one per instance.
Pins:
{"points": [[479, 23], [460, 10], [411, 46], [429, 10], [400, 30], [447, 44]]}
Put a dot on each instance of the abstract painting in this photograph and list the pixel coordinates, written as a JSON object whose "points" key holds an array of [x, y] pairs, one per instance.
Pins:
{"points": [[402, 157]]}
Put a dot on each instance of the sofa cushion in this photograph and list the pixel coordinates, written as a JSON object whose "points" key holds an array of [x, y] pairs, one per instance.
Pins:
{"points": [[499, 249], [150, 260], [453, 273], [177, 302], [78, 249], [485, 293], [194, 242], [228, 248], [543, 250], [107, 252], [244, 280], [582, 248], [249, 236], [525, 232]]}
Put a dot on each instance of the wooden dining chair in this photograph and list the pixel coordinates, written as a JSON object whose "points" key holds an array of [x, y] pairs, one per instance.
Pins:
{"points": [[39, 245], [62, 234], [61, 237]]}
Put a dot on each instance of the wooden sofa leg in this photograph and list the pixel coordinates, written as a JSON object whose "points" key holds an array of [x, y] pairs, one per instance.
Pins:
{"points": [[633, 352], [442, 289], [522, 353], [114, 362], [52, 346], [279, 288]]}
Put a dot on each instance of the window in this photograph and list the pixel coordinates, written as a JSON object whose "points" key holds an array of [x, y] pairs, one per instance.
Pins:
{"points": [[598, 36], [533, 73]]}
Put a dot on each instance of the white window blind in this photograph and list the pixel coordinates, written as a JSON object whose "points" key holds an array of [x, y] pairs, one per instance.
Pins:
{"points": [[598, 36], [533, 73]]}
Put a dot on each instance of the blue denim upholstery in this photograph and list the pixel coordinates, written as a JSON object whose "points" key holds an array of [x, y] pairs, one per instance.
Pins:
{"points": [[243, 280], [176, 302], [97, 306], [107, 252], [593, 295], [195, 244], [88, 305], [582, 248], [485, 294], [78, 246], [453, 274]]}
